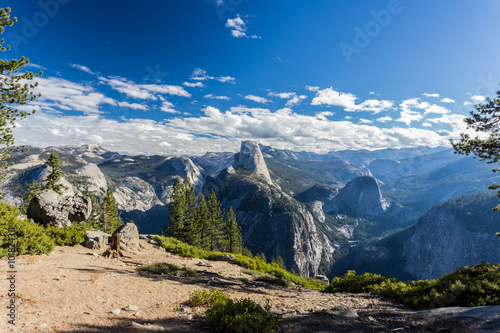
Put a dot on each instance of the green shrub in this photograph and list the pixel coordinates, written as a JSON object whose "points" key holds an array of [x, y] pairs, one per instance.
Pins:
{"points": [[242, 315], [477, 285], [176, 246], [30, 238], [354, 283], [206, 297], [167, 269], [71, 235]]}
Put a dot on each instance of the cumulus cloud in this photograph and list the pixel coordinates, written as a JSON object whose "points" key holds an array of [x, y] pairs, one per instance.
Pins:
{"points": [[408, 113], [201, 75], [312, 88], [329, 96], [61, 94], [257, 99], [238, 28], [142, 91], [431, 95], [447, 100], [82, 68], [384, 119], [193, 84], [292, 97], [168, 107], [217, 97], [135, 106]]}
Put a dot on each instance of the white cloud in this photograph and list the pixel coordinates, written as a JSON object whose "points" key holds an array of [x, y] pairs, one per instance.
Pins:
{"points": [[200, 75], [427, 124], [365, 121], [36, 66], [82, 68], [312, 88], [372, 93], [456, 121], [142, 91], [408, 114], [329, 96], [384, 119], [239, 28], [293, 98], [228, 79], [61, 94], [257, 99], [431, 95], [217, 97], [324, 114], [447, 100], [478, 98], [193, 84], [436, 109], [166, 106], [135, 106]]}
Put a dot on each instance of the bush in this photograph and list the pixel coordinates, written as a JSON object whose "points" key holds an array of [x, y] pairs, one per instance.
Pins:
{"points": [[242, 315], [206, 297], [354, 283], [477, 285], [30, 238], [71, 235], [167, 269]]}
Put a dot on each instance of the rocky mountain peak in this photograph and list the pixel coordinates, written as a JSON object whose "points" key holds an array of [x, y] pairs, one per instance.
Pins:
{"points": [[362, 194], [250, 158]]}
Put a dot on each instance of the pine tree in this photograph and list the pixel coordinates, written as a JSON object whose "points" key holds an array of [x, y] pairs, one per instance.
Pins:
{"points": [[16, 89], [215, 217], [34, 189], [191, 228], [203, 222], [280, 262], [109, 217], [55, 174], [232, 239], [262, 256], [178, 210]]}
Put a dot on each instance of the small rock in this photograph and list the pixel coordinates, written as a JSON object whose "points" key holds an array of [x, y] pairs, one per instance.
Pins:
{"points": [[42, 326], [201, 263], [184, 309], [115, 311], [131, 308], [226, 257], [188, 317], [154, 242], [300, 310], [344, 311], [177, 274], [373, 320], [399, 329]]}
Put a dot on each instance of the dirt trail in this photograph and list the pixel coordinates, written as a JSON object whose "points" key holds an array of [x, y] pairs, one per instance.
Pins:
{"points": [[74, 290]]}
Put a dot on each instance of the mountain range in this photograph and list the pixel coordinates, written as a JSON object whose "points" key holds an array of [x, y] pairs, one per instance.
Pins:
{"points": [[322, 213]]}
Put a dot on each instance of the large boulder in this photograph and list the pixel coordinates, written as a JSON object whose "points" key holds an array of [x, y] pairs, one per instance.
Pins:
{"points": [[50, 208], [95, 239], [129, 237]]}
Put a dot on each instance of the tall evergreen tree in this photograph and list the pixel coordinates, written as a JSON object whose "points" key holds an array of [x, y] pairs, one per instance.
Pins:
{"points": [[191, 227], [55, 174], [109, 217], [34, 189], [203, 223], [215, 218], [178, 210], [232, 239], [16, 89]]}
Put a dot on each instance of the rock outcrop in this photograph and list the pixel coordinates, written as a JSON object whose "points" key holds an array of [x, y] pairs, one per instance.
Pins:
{"points": [[276, 224], [250, 158], [96, 240], [362, 195], [50, 208], [129, 237]]}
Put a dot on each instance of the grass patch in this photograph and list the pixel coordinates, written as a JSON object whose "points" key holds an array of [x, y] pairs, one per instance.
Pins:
{"points": [[167, 269], [477, 285], [256, 264], [206, 297]]}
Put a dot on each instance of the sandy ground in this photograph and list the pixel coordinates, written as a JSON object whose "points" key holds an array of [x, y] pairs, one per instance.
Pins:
{"points": [[74, 290]]}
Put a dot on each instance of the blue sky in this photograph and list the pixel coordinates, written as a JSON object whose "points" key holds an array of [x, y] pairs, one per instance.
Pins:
{"points": [[187, 77]]}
